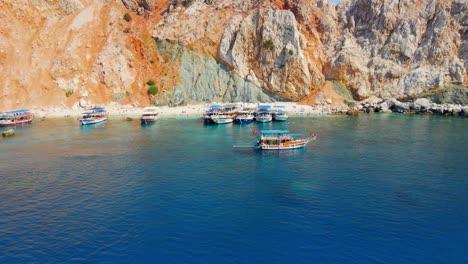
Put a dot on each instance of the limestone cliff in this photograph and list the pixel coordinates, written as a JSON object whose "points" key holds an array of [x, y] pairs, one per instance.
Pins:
{"points": [[400, 48], [61, 52]]}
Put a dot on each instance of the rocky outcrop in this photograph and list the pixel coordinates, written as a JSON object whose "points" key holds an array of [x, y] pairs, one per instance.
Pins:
{"points": [[8, 133], [271, 45], [203, 79], [420, 106], [400, 48], [140, 5], [265, 45]]}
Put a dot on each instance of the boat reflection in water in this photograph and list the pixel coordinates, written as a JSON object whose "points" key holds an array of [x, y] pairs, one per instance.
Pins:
{"points": [[283, 153]]}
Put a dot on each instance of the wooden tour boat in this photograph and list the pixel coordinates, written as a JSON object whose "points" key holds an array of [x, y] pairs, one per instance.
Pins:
{"points": [[150, 115], [16, 117], [212, 110], [264, 114], [282, 139], [229, 112], [244, 117], [279, 114], [94, 115]]}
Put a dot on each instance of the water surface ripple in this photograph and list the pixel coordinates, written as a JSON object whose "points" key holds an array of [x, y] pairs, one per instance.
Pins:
{"points": [[371, 189]]}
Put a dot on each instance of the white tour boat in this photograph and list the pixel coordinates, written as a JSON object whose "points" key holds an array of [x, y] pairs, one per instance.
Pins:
{"points": [[150, 115], [94, 115]]}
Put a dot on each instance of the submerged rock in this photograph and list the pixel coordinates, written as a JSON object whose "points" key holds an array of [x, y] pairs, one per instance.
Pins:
{"points": [[8, 133]]}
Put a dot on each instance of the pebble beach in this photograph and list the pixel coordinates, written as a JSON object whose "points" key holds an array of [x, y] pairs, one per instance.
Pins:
{"points": [[117, 111]]}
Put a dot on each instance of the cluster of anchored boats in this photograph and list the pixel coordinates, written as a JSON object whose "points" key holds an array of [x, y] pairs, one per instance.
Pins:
{"points": [[90, 116], [99, 114], [229, 113], [268, 139]]}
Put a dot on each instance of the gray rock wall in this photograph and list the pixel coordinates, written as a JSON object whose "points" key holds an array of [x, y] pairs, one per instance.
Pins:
{"points": [[271, 44], [203, 79], [400, 48], [379, 48]]}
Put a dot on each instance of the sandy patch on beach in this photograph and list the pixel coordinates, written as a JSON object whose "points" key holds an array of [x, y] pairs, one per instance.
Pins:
{"points": [[117, 111]]}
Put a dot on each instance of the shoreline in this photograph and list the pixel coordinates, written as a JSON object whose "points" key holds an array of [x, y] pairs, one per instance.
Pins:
{"points": [[189, 111], [117, 111]]}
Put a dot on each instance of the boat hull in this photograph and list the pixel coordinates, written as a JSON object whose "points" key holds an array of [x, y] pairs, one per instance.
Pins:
{"points": [[222, 120], [291, 145], [85, 122], [243, 120], [280, 118], [15, 123], [148, 120], [264, 119], [207, 120]]}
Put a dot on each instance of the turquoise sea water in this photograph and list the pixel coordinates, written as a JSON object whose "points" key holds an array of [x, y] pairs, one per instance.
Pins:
{"points": [[370, 189]]}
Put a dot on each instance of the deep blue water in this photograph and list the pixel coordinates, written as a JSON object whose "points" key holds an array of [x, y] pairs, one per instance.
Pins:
{"points": [[370, 189]]}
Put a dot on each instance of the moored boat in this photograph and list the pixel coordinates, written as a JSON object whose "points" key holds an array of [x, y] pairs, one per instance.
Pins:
{"points": [[94, 115], [263, 117], [223, 118], [264, 114], [212, 110], [16, 117], [244, 117], [227, 115], [282, 139], [150, 115], [279, 114]]}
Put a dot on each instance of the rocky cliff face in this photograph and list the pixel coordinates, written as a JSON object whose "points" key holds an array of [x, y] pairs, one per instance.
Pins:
{"points": [[61, 52], [399, 48]]}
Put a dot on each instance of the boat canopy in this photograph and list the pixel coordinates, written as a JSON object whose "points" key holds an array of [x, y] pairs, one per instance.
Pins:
{"points": [[97, 109], [279, 106], [216, 106], [280, 112], [21, 111], [150, 110], [274, 131], [234, 105], [264, 106], [94, 110]]}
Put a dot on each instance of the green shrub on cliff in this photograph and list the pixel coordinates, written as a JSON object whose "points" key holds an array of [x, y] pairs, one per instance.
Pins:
{"points": [[153, 89], [127, 17], [69, 93], [268, 44], [150, 82]]}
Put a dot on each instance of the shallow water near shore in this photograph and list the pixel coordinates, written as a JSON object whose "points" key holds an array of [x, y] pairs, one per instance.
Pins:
{"points": [[371, 189]]}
